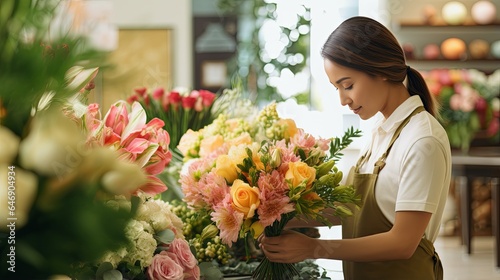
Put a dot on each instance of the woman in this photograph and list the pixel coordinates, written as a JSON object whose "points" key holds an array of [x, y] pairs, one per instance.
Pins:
{"points": [[404, 173]]}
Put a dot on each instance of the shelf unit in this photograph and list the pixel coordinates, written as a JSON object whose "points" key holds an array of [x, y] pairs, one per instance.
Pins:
{"points": [[419, 35]]}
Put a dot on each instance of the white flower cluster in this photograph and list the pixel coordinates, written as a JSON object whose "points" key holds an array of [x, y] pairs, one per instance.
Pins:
{"points": [[152, 217]]}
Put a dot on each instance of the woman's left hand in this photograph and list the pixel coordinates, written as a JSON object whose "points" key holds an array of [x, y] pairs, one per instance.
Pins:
{"points": [[290, 247]]}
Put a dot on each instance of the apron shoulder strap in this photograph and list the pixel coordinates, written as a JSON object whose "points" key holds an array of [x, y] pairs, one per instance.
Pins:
{"points": [[381, 161]]}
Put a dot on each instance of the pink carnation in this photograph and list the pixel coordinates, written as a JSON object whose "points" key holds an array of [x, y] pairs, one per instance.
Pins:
{"points": [[228, 221], [273, 198], [214, 188]]}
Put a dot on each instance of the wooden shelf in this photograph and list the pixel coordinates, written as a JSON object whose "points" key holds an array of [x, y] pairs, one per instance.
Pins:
{"points": [[486, 65], [467, 24], [456, 60]]}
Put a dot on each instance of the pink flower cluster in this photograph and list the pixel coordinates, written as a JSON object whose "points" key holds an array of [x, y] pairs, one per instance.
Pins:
{"points": [[469, 93], [248, 187], [196, 99], [176, 263], [125, 130]]}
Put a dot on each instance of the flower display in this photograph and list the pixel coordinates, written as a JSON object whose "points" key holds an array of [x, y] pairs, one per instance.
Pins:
{"points": [[157, 248], [470, 103], [179, 109], [257, 186], [231, 130]]}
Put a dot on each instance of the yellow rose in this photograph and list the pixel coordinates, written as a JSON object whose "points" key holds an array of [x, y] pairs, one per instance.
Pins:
{"points": [[290, 127], [210, 144], [226, 168], [299, 172], [245, 198]]}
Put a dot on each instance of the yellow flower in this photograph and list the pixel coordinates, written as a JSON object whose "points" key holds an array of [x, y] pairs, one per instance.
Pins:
{"points": [[239, 153], [299, 172], [290, 128], [257, 229], [225, 167], [210, 144], [245, 198]]}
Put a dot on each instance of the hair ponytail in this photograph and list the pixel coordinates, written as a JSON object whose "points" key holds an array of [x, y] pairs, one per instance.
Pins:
{"points": [[417, 86]]}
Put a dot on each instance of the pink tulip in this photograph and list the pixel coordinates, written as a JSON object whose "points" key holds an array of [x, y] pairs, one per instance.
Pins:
{"points": [[158, 93], [208, 97], [175, 97], [141, 91], [188, 102]]}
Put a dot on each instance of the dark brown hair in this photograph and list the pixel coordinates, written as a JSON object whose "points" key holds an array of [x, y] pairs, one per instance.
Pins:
{"points": [[366, 45]]}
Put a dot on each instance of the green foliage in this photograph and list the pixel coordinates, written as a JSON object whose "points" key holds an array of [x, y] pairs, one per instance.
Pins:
{"points": [[66, 224], [339, 144], [29, 69]]}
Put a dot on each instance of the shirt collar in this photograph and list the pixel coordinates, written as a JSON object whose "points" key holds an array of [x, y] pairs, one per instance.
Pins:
{"points": [[400, 114]]}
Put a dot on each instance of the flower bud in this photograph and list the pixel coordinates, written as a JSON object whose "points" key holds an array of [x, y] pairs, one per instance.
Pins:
{"points": [[325, 168], [208, 232], [276, 158]]}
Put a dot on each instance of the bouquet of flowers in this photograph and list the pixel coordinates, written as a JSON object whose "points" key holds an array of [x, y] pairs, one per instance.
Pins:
{"points": [[251, 187], [470, 103]]}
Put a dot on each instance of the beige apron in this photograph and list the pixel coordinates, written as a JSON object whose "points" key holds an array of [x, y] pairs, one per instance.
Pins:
{"points": [[369, 219]]}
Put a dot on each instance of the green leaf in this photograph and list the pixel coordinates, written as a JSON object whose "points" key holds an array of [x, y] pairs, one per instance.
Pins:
{"points": [[209, 271], [103, 268], [112, 275], [165, 236]]}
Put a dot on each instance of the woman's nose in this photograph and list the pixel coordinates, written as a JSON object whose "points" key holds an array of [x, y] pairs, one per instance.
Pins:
{"points": [[344, 99]]}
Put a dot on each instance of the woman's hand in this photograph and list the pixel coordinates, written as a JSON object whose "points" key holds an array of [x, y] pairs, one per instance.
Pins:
{"points": [[290, 247]]}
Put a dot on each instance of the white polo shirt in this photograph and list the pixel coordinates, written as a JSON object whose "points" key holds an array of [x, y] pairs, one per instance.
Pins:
{"points": [[417, 173]]}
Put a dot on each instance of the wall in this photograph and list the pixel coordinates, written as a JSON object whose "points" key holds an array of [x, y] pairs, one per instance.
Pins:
{"points": [[173, 14]]}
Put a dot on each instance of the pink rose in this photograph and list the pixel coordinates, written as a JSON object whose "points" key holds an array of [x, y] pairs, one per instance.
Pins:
{"points": [[163, 267], [193, 274], [181, 249]]}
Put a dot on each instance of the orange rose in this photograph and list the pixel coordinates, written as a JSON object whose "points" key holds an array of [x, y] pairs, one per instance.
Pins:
{"points": [[245, 198], [299, 172], [226, 168]]}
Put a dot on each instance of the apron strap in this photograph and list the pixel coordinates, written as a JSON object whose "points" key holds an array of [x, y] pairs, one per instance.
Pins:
{"points": [[381, 161]]}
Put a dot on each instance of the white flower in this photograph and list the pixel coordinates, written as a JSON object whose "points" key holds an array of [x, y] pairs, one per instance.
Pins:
{"points": [[23, 185], [143, 247], [9, 143], [114, 257], [54, 145], [124, 177]]}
